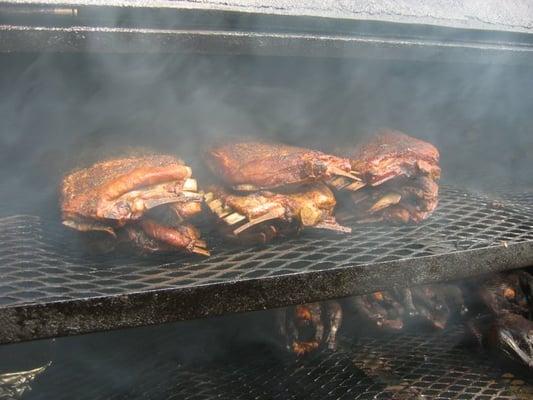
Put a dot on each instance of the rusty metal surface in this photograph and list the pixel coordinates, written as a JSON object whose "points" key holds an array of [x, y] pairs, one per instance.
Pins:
{"points": [[51, 286]]}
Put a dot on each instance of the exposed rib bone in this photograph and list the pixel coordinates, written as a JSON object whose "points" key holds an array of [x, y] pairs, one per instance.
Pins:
{"points": [[200, 247], [388, 200], [88, 227], [219, 209], [223, 212], [191, 195], [151, 203], [209, 197], [342, 183], [355, 186], [339, 182], [215, 205], [337, 171], [332, 226], [249, 224], [234, 218], [190, 185], [200, 243], [245, 188], [202, 252]]}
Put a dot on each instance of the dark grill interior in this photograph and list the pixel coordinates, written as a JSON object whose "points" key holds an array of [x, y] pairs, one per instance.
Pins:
{"points": [[422, 365]]}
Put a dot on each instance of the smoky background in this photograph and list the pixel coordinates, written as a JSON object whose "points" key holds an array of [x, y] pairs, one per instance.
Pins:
{"points": [[64, 111]]}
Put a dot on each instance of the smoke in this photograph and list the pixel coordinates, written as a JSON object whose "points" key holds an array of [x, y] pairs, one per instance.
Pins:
{"points": [[140, 362], [62, 111]]}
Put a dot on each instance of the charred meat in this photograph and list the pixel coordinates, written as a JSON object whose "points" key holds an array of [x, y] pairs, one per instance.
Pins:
{"points": [[263, 215], [393, 154], [429, 305], [512, 336], [380, 309], [309, 327], [508, 336], [252, 166], [120, 190], [118, 196], [399, 179], [150, 236], [507, 293], [504, 323], [404, 201]]}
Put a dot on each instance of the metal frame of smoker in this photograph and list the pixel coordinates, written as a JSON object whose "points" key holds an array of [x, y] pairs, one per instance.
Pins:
{"points": [[82, 27], [280, 28]]}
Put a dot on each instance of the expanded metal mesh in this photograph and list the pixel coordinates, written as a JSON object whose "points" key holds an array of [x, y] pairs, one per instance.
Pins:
{"points": [[41, 261], [522, 199], [409, 366]]}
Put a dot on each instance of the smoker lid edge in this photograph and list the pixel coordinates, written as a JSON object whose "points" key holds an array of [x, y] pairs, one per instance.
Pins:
{"points": [[492, 15]]}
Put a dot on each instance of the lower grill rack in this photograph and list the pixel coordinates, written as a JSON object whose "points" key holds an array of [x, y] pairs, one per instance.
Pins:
{"points": [[51, 285], [410, 366]]}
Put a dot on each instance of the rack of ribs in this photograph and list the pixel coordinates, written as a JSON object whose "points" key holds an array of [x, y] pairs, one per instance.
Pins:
{"points": [[268, 190], [399, 179], [122, 198]]}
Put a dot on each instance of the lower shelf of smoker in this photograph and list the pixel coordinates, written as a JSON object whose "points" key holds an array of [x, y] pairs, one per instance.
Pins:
{"points": [[52, 286], [397, 366]]}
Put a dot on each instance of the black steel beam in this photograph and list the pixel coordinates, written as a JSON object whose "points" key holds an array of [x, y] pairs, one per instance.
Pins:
{"points": [[129, 40]]}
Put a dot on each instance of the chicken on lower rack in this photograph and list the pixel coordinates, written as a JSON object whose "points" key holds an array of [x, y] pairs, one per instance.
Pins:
{"points": [[309, 327], [122, 198], [429, 305], [504, 323], [496, 310]]}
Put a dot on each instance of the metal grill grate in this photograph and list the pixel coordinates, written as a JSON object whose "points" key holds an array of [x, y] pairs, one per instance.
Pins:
{"points": [[51, 286], [523, 199], [398, 366]]}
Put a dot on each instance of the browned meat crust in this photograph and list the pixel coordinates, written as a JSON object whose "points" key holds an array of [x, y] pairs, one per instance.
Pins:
{"points": [[393, 154], [114, 196], [151, 236], [399, 179], [122, 189], [250, 166]]}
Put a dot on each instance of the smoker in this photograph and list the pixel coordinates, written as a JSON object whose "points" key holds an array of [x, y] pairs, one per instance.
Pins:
{"points": [[81, 79]]}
